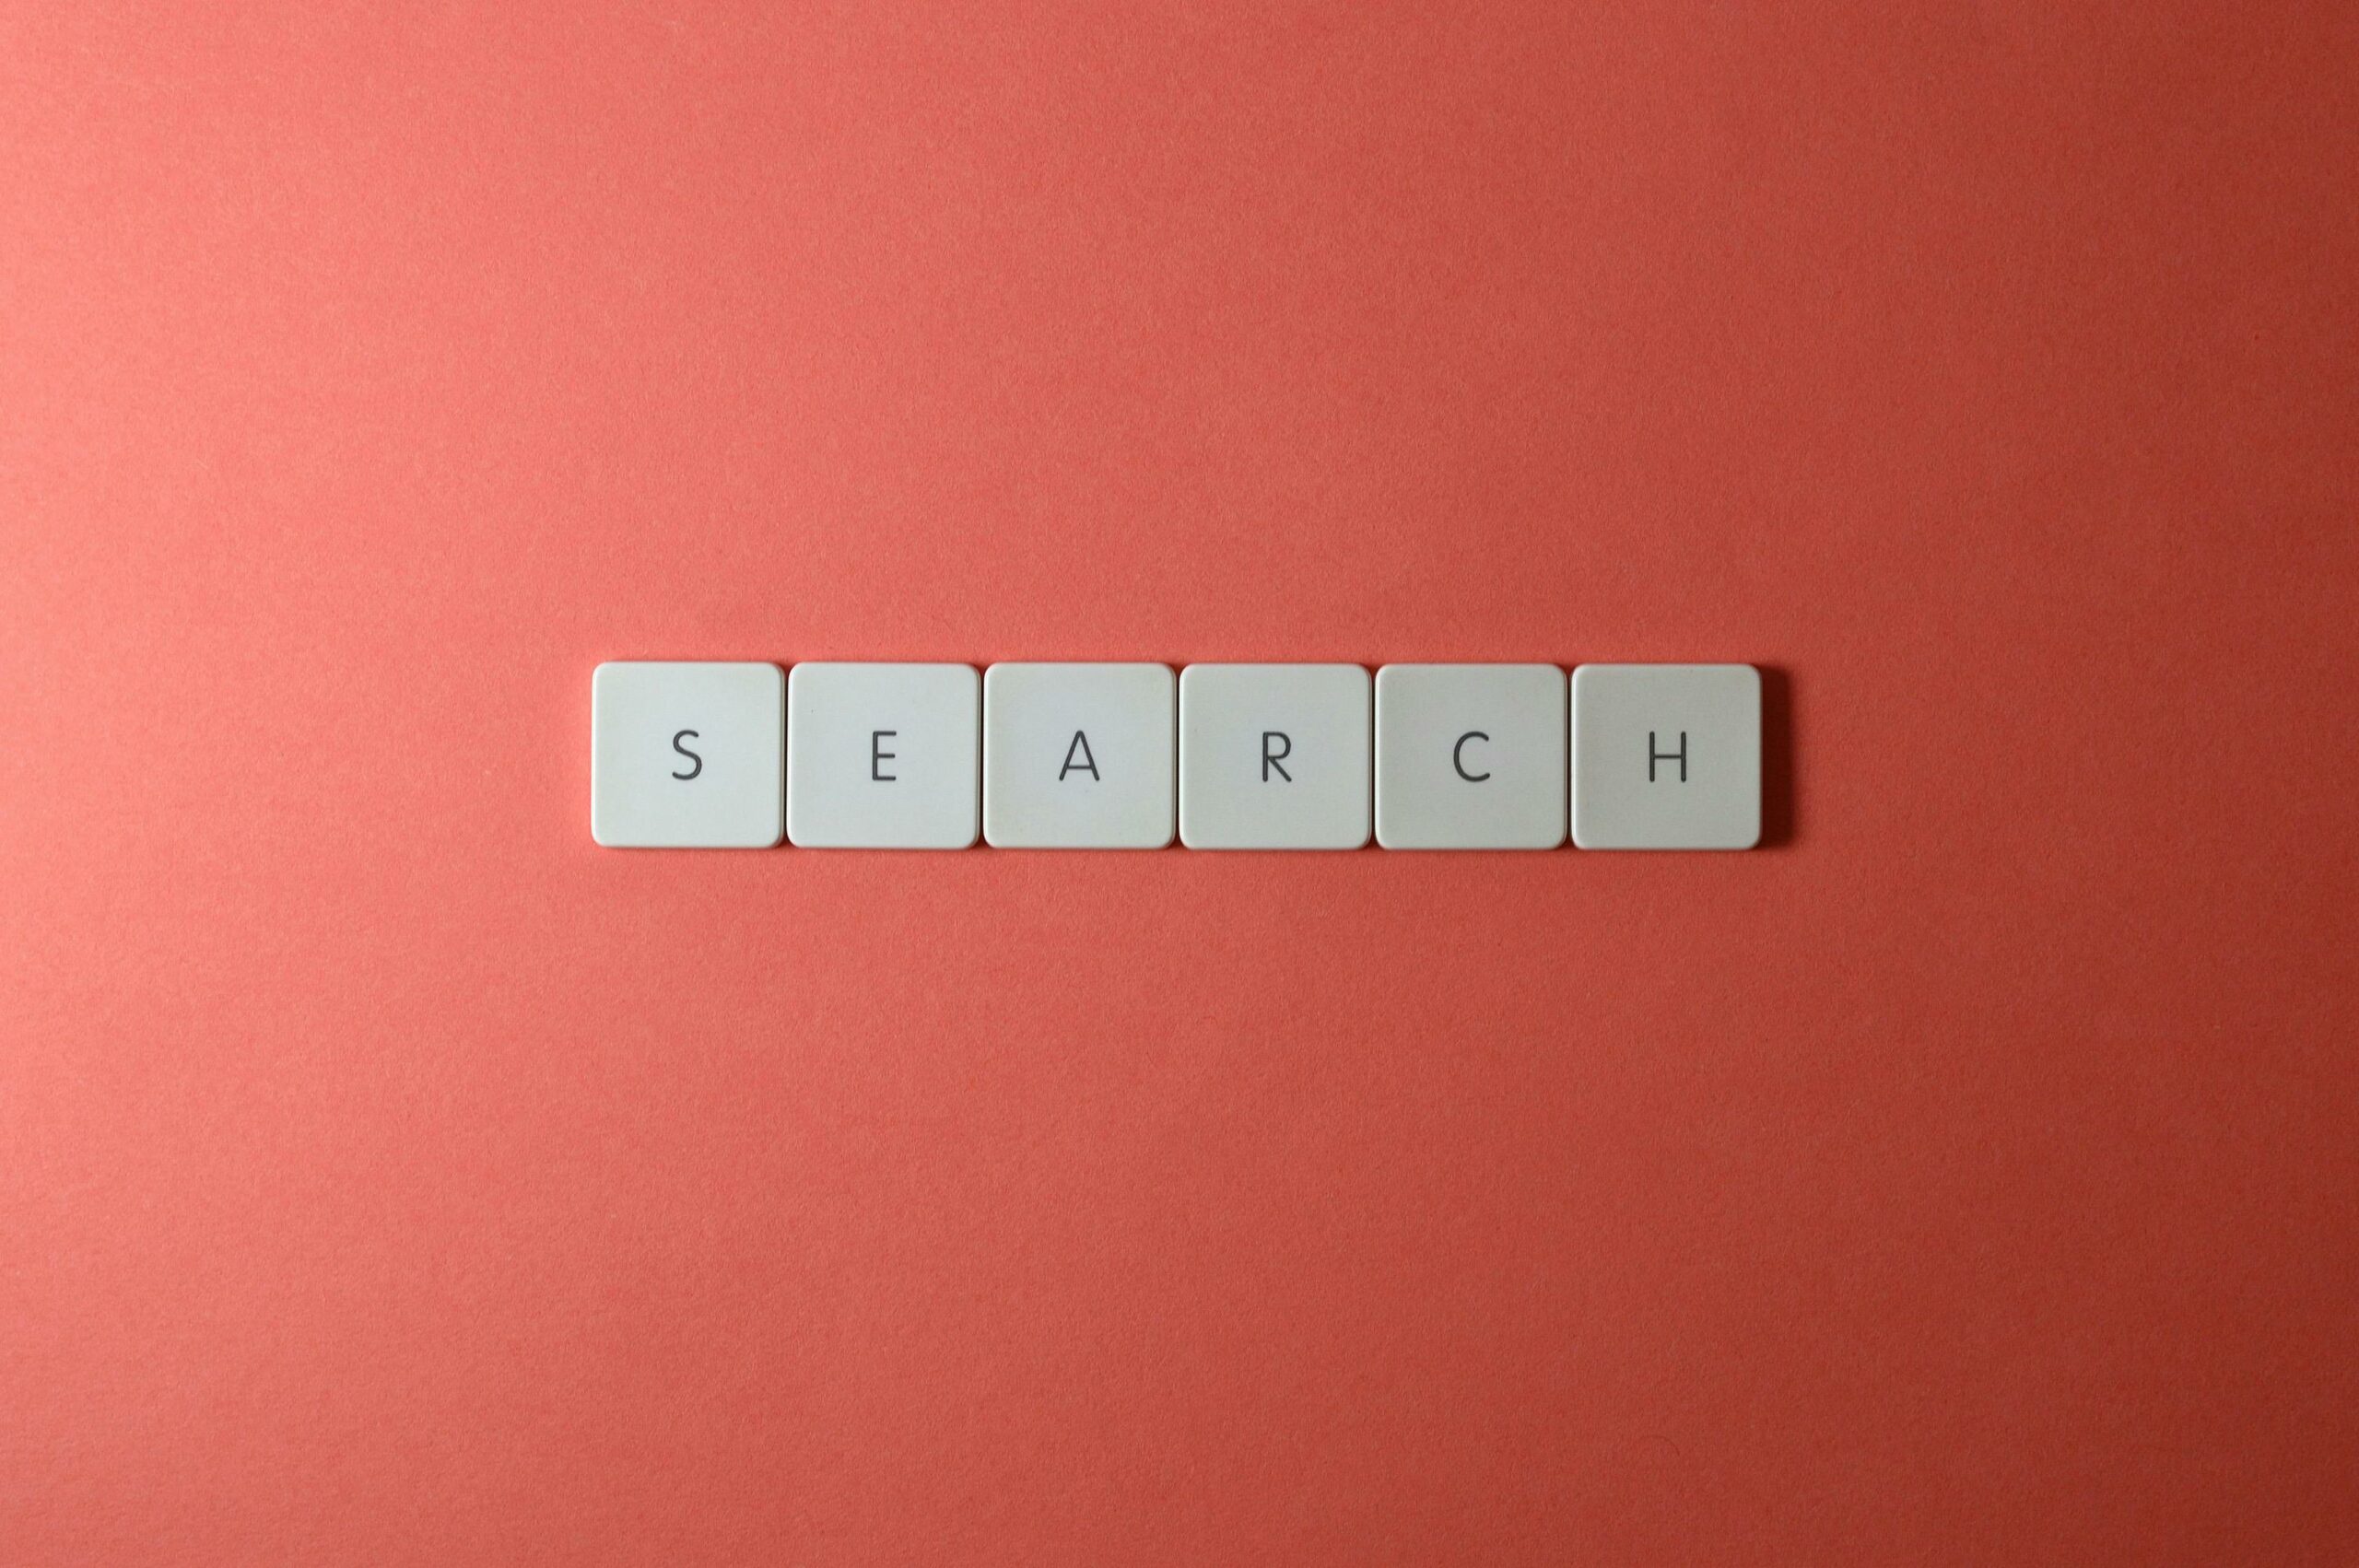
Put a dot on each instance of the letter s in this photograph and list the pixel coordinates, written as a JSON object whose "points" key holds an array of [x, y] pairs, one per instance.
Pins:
{"points": [[697, 761]]}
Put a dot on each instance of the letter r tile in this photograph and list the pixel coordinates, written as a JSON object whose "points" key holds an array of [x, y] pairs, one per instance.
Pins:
{"points": [[1274, 756]]}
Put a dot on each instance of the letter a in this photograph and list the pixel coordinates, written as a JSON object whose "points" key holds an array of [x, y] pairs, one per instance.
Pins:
{"points": [[1080, 748]]}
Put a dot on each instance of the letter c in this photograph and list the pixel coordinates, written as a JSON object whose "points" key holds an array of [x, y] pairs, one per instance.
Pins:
{"points": [[1458, 757]]}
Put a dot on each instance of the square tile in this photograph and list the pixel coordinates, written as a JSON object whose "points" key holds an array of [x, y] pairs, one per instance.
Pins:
{"points": [[1079, 756], [686, 756], [1274, 756], [883, 756], [1666, 756], [1470, 757]]}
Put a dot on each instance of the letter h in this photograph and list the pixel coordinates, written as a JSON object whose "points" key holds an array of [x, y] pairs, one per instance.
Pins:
{"points": [[1654, 756]]}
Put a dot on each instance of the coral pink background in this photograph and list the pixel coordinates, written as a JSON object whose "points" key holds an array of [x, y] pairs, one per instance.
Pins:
{"points": [[389, 1176]]}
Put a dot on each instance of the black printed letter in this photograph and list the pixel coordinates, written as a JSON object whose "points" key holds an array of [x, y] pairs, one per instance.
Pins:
{"points": [[1088, 762], [1457, 756], [878, 756], [1654, 756], [693, 759], [1270, 759]]}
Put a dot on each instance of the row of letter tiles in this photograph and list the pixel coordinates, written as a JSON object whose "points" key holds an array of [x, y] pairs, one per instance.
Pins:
{"points": [[1233, 756]]}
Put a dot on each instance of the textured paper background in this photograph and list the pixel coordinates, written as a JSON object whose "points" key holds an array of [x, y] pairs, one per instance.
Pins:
{"points": [[387, 1175]]}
